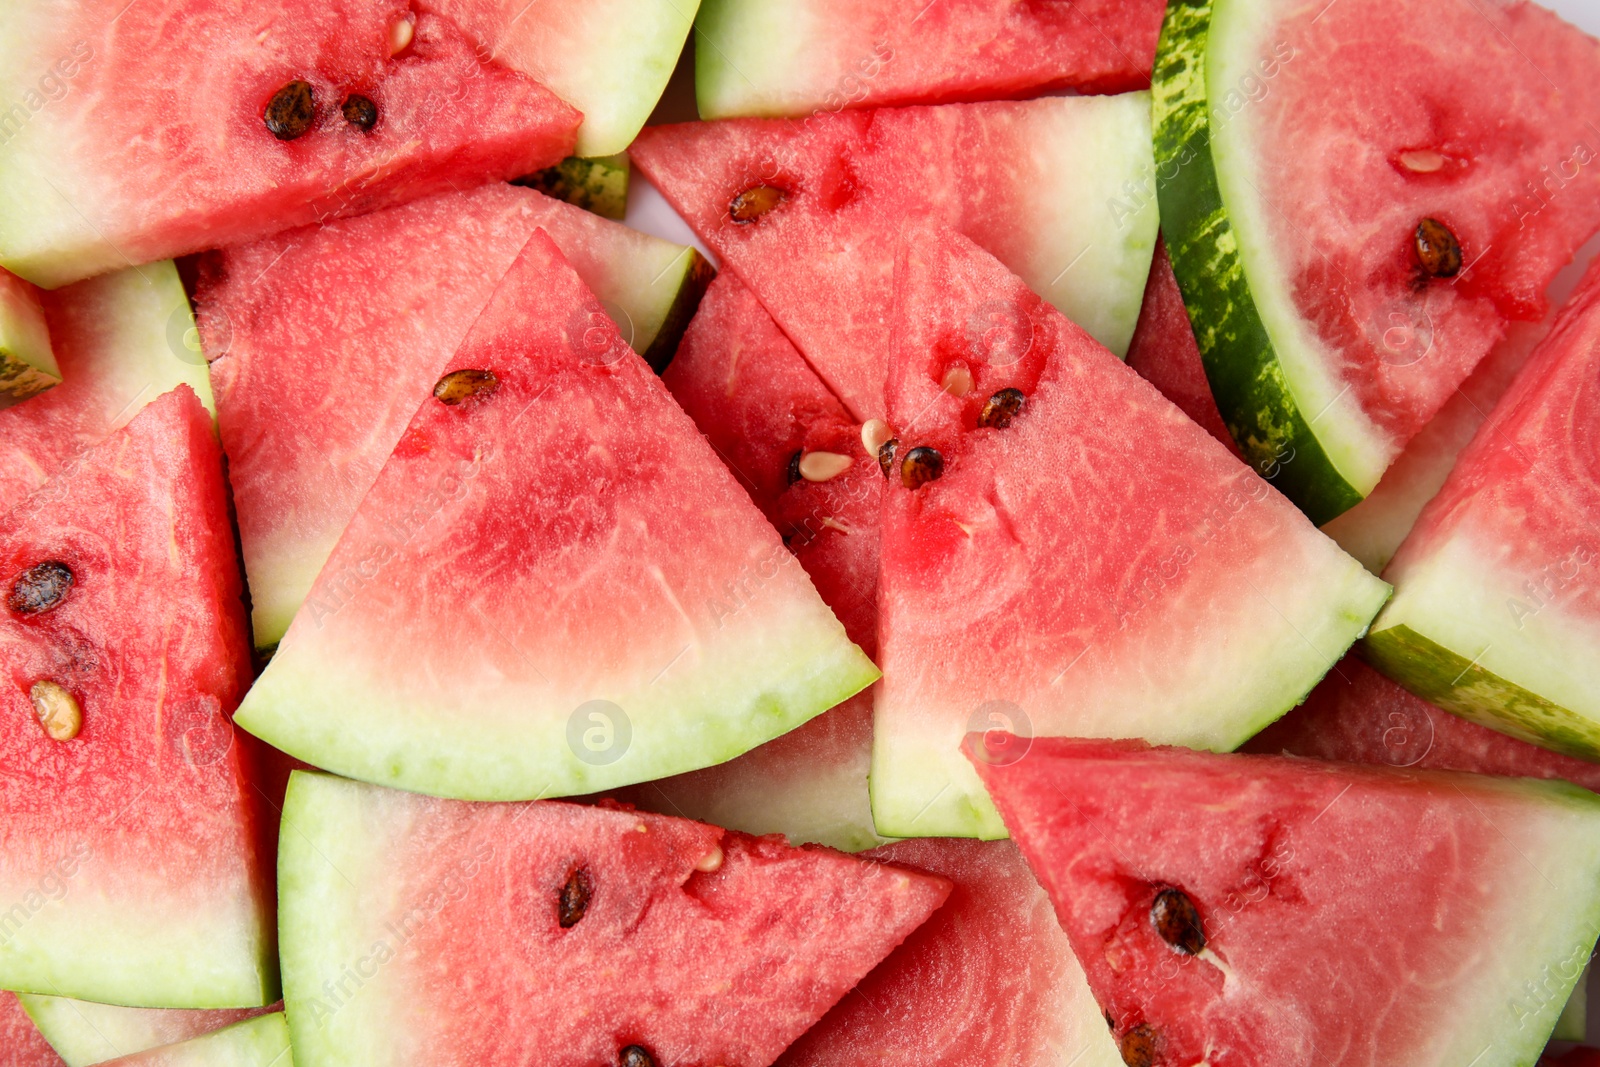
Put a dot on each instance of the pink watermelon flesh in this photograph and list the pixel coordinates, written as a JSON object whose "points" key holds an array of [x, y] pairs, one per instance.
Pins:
{"points": [[700, 945], [1356, 715], [989, 979], [20, 1040], [146, 812], [106, 193], [1298, 873]]}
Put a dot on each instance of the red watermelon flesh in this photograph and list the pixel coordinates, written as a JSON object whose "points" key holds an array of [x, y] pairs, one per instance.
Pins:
{"points": [[1356, 715], [989, 979], [1246, 910], [1063, 571], [95, 189], [21, 1041], [132, 843], [700, 945]]}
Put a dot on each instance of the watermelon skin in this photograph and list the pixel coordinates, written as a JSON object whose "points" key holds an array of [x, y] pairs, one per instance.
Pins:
{"points": [[27, 364], [83, 1033], [145, 820], [92, 191], [1297, 341], [1298, 870], [597, 185], [771, 58], [663, 593], [989, 979], [1077, 169], [1494, 613], [358, 317], [421, 931], [1183, 601], [24, 1045], [122, 340], [259, 1042]]}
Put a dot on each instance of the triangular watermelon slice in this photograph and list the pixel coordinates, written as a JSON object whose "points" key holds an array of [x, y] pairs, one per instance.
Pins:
{"points": [[1063, 571], [423, 931], [23, 1044], [537, 596], [259, 1042], [127, 829], [183, 125], [85, 1033], [359, 318], [807, 214], [27, 364], [1246, 910], [122, 340]]}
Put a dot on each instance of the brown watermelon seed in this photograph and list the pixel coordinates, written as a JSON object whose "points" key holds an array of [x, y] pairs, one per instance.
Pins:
{"points": [[886, 454], [40, 587], [1437, 249], [461, 385], [921, 466], [1177, 920], [636, 1056], [957, 381], [792, 471], [1138, 1047], [874, 432], [57, 709], [1000, 409], [755, 202], [291, 110], [360, 112], [574, 898], [823, 466]]}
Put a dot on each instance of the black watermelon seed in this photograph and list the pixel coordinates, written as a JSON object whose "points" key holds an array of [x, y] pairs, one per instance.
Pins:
{"points": [[921, 466], [1111, 1024], [360, 112], [40, 587], [291, 111], [636, 1056], [1000, 409], [574, 901], [1177, 920], [1138, 1047], [1437, 249], [886, 453], [755, 202], [793, 472], [461, 385]]}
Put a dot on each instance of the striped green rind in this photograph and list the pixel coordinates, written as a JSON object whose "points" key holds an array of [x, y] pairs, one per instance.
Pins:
{"points": [[695, 277], [259, 1042], [1246, 375], [597, 185]]}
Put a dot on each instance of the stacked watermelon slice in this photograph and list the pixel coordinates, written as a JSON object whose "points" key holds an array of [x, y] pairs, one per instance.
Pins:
{"points": [[448, 623]]}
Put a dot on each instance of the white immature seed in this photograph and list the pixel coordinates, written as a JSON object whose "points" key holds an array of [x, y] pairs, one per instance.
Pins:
{"points": [[400, 33], [823, 466], [874, 433], [711, 861], [957, 381], [57, 709], [1422, 161]]}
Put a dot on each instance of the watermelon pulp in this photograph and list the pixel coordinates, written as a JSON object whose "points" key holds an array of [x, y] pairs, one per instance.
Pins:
{"points": [[258, 1042], [85, 1033], [1051, 186], [1239, 910], [1180, 599], [27, 364], [576, 484], [91, 190], [24, 1045], [128, 847], [1301, 149], [351, 324], [801, 57], [421, 931]]}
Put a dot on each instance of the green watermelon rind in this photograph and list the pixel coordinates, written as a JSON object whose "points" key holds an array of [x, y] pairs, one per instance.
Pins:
{"points": [[1254, 388], [693, 278], [27, 362], [259, 1042], [599, 185]]}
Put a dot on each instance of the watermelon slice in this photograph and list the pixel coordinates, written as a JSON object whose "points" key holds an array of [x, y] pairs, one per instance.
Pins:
{"points": [[259, 1042], [1062, 571], [611, 59], [357, 319], [597, 185], [1244, 910], [23, 1044], [990, 979], [126, 848], [536, 596], [1495, 608], [27, 364], [84, 1033], [422, 931], [320, 109], [122, 340], [806, 57], [1355, 213], [807, 214]]}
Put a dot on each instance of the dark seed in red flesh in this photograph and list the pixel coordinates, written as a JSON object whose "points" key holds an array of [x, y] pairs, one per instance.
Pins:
{"points": [[40, 587], [1177, 920], [360, 112], [1000, 409], [574, 899], [793, 473], [921, 466], [755, 202], [636, 1056], [461, 385], [1437, 249], [291, 111], [886, 454], [1138, 1047], [1111, 1024]]}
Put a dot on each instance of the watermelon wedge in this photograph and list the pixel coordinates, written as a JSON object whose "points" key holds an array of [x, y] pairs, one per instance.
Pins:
{"points": [[423, 931], [806, 57], [357, 319], [259, 1042], [990, 979], [137, 152], [126, 847], [807, 214], [533, 598], [122, 340], [1356, 214], [1244, 910], [24, 1045], [83, 1033], [1495, 615], [27, 364], [1062, 572]]}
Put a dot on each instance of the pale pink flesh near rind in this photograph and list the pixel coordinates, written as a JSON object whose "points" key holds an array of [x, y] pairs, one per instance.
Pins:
{"points": [[21, 1040]]}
